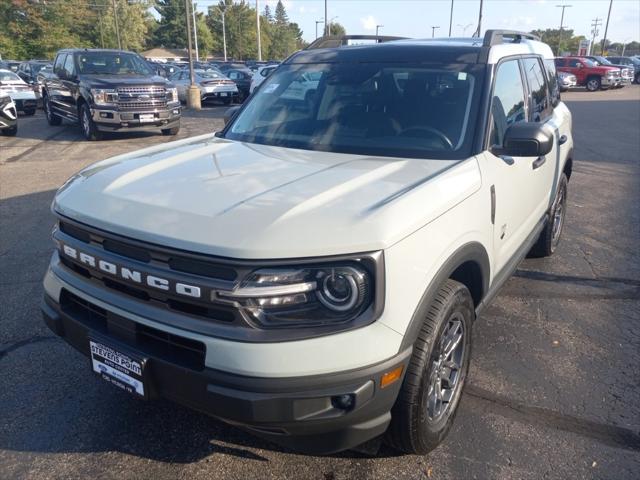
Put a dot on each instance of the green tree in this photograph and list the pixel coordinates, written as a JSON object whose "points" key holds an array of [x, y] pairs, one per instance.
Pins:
{"points": [[283, 39], [336, 29], [564, 41], [133, 23], [171, 31], [206, 42]]}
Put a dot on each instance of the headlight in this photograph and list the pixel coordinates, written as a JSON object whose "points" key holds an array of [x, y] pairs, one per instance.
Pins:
{"points": [[172, 94], [104, 96], [305, 296]]}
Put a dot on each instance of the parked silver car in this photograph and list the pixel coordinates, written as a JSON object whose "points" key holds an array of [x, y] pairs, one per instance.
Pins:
{"points": [[213, 85], [566, 81]]}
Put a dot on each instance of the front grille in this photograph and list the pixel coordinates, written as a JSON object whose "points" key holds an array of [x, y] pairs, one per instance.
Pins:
{"points": [[141, 98], [148, 340], [157, 258]]}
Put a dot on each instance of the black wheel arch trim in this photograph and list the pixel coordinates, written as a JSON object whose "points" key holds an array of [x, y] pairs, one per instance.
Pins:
{"points": [[472, 251]]}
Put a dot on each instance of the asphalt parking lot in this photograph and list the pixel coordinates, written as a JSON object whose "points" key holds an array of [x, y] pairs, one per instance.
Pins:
{"points": [[554, 386]]}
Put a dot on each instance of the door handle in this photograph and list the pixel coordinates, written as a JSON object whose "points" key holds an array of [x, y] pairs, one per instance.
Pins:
{"points": [[538, 162], [562, 140]]}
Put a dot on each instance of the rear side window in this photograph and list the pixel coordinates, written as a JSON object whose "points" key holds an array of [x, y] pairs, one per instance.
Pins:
{"points": [[58, 66], [573, 62], [507, 103], [539, 105], [552, 82]]}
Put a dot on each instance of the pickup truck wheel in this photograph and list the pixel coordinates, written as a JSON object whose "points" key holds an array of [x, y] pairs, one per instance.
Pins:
{"points": [[87, 125], [432, 386], [171, 131], [638, 78], [593, 84], [10, 132], [549, 238], [52, 118]]}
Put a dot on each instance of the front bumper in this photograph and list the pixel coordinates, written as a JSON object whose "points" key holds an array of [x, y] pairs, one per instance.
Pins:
{"points": [[26, 104], [111, 120], [297, 412]]}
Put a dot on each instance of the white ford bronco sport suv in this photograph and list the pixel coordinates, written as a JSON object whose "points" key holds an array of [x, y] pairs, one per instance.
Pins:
{"points": [[312, 272]]}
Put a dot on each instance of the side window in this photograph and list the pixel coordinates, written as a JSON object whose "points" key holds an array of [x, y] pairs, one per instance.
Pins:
{"points": [[58, 66], [539, 107], [69, 67], [507, 103], [552, 82], [233, 75], [574, 62]]}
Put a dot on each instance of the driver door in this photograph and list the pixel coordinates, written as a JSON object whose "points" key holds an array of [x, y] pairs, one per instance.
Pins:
{"points": [[514, 199]]}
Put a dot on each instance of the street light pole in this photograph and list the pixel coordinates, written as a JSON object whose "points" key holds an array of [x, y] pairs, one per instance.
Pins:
{"points": [[195, 29], [377, 28], [464, 27], [479, 29], [224, 34], [317, 22], [115, 17], [561, 25], [326, 24], [451, 18], [258, 30], [606, 28], [433, 30], [193, 92]]}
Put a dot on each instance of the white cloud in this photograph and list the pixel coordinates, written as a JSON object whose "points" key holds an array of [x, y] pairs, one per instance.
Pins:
{"points": [[368, 22]]}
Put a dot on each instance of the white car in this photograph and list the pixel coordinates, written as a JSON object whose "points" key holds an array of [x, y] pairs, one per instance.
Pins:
{"points": [[260, 75], [312, 272], [212, 83], [20, 92]]}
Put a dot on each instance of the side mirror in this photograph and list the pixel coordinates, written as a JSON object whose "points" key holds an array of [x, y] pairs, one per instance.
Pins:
{"points": [[230, 114], [526, 139]]}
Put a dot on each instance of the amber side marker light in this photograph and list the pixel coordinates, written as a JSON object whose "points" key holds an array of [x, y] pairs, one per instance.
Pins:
{"points": [[390, 377]]}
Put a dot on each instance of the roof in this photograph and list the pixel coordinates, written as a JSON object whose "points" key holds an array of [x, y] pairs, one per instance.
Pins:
{"points": [[75, 50], [495, 45]]}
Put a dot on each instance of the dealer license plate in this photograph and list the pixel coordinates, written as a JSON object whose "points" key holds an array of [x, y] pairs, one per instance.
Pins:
{"points": [[147, 117], [118, 368]]}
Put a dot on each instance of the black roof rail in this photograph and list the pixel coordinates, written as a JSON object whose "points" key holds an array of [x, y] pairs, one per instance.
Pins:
{"points": [[496, 37], [334, 41]]}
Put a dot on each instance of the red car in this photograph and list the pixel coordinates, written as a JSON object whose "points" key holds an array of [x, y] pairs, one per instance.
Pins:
{"points": [[588, 73]]}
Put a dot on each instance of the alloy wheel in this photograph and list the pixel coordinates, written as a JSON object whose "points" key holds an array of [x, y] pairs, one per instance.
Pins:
{"points": [[558, 218], [446, 369]]}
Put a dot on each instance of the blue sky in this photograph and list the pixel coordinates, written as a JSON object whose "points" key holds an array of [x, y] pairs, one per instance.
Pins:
{"points": [[414, 18]]}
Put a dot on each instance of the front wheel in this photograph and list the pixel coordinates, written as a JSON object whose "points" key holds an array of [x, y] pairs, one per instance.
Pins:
{"points": [[11, 131], [549, 238], [435, 377], [87, 125], [594, 84], [171, 131], [52, 118]]}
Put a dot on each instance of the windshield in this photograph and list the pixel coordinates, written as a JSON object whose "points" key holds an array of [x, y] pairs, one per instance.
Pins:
{"points": [[209, 74], [36, 67], [112, 63], [6, 76], [602, 61], [382, 109]]}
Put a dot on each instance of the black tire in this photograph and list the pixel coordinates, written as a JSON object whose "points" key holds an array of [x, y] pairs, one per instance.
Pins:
{"points": [[29, 112], [412, 430], [638, 78], [170, 131], [87, 126], [52, 118], [593, 84], [10, 132], [549, 238]]}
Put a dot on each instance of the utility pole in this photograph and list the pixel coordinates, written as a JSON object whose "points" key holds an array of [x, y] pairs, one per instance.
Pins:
{"points": [[606, 28], [451, 18], [479, 29], [597, 22], [317, 22], [193, 92], [378, 27], [433, 30], [258, 30], [115, 17], [326, 24], [195, 29], [559, 52], [224, 33]]}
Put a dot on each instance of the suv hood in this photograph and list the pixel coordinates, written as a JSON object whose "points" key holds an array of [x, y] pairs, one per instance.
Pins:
{"points": [[232, 199], [115, 81]]}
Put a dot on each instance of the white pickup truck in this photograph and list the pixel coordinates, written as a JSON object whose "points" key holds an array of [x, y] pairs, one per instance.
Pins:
{"points": [[312, 272]]}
